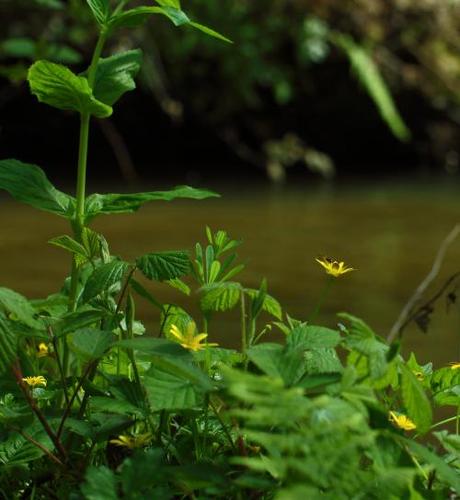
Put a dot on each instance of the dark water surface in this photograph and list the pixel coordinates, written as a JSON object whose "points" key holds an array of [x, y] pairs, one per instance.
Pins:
{"points": [[389, 231]]}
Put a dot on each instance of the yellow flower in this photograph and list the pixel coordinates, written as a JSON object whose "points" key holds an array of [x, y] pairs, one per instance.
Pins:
{"points": [[402, 421], [33, 381], [189, 339], [132, 442], [42, 350], [454, 366], [333, 267]]}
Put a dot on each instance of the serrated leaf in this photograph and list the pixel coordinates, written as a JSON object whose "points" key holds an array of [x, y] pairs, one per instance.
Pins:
{"points": [[90, 343], [77, 320], [313, 337], [103, 277], [100, 484], [278, 361], [270, 304], [126, 203], [71, 245], [415, 400], [8, 346], [173, 384], [57, 86], [100, 10], [220, 296], [28, 184], [115, 75], [162, 266]]}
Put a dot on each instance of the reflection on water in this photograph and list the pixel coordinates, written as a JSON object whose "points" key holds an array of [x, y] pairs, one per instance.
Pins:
{"points": [[389, 233]]}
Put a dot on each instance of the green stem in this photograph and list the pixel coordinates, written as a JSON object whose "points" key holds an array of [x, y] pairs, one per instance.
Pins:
{"points": [[243, 325], [324, 293]]}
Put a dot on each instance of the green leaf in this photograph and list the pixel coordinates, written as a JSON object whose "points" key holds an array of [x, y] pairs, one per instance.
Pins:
{"points": [[209, 32], [445, 472], [173, 384], [16, 450], [57, 86], [100, 484], [155, 346], [140, 290], [175, 4], [71, 245], [278, 361], [28, 183], [125, 203], [313, 337], [8, 346], [115, 75], [415, 400], [372, 80], [112, 405], [18, 306], [220, 296], [178, 284], [138, 15], [103, 277], [162, 266], [270, 304], [90, 343], [77, 320], [100, 10]]}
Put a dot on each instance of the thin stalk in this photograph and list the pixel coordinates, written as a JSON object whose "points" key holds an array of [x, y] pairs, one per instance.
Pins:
{"points": [[58, 360], [45, 450], [68, 407], [243, 325], [224, 427], [324, 293]]}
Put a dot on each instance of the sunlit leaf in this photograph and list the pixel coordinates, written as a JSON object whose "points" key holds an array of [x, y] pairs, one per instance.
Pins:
{"points": [[57, 86]]}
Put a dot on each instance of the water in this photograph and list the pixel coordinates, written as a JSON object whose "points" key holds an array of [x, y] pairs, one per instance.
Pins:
{"points": [[390, 232]]}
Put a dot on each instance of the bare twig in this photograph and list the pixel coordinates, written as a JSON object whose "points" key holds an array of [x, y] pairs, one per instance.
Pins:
{"points": [[420, 290]]}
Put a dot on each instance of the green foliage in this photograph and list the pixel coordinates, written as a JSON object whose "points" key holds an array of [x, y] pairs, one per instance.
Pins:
{"points": [[370, 77], [28, 184], [88, 391], [162, 266], [115, 76], [57, 86]]}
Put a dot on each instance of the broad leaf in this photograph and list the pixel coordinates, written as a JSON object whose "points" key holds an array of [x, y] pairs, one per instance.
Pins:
{"points": [[18, 307], [270, 304], [57, 86], [125, 203], [72, 246], [415, 400], [100, 484], [278, 361], [115, 75], [162, 266], [138, 15], [28, 183], [312, 337], [155, 346], [77, 320], [100, 10], [103, 277], [174, 384], [90, 343], [221, 296]]}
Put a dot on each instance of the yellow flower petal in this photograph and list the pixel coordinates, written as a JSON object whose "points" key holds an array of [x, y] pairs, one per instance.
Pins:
{"points": [[402, 421], [333, 267], [33, 381]]}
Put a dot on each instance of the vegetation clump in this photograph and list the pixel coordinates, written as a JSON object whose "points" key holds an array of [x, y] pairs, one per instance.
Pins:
{"points": [[93, 406]]}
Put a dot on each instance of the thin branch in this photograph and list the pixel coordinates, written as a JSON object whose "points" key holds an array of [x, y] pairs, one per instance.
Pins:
{"points": [[30, 400], [45, 450], [420, 290], [125, 287], [68, 407], [58, 360]]}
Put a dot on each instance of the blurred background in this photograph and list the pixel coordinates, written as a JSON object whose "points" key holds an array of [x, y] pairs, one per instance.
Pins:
{"points": [[330, 127]]}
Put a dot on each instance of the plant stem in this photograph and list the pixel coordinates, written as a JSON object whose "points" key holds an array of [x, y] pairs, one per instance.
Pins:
{"points": [[321, 299], [243, 325], [45, 450]]}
